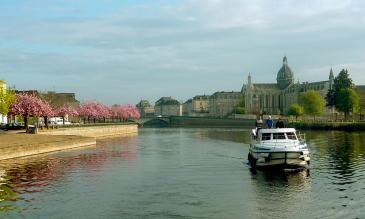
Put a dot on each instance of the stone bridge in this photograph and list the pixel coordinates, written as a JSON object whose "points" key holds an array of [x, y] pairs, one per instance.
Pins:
{"points": [[153, 122]]}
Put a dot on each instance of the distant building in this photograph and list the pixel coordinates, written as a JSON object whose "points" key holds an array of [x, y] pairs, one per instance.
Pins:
{"points": [[188, 108], [59, 99], [145, 109], [167, 106], [29, 92], [201, 104], [3, 118], [223, 104], [53, 98], [276, 98], [197, 106]]}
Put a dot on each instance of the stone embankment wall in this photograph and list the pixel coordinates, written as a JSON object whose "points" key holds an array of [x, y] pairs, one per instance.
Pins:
{"points": [[95, 131], [21, 145], [176, 121]]}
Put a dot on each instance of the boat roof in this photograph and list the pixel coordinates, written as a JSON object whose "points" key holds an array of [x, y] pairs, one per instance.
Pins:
{"points": [[277, 130]]}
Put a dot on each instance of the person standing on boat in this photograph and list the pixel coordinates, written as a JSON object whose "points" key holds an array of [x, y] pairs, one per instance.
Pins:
{"points": [[259, 124], [280, 124], [269, 122]]}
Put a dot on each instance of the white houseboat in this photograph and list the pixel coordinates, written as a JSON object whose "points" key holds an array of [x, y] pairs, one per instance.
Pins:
{"points": [[279, 148]]}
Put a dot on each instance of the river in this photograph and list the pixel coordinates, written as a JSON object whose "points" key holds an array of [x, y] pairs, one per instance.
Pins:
{"points": [[185, 173]]}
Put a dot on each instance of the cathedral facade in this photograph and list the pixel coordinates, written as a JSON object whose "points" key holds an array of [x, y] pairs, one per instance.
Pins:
{"points": [[276, 98]]}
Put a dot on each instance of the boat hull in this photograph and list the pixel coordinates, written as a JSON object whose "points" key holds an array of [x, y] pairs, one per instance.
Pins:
{"points": [[279, 159]]}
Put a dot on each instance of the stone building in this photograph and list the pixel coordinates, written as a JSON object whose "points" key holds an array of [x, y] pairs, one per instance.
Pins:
{"points": [[145, 109], [276, 98], [188, 108], [197, 106], [222, 103], [167, 106], [60, 99], [201, 104], [53, 98]]}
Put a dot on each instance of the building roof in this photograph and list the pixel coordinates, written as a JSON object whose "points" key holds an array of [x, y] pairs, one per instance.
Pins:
{"points": [[285, 75], [189, 101], [221, 94], [266, 86], [201, 97], [167, 101], [143, 103]]}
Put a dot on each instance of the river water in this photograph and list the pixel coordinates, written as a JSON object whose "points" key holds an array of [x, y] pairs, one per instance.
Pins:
{"points": [[185, 173]]}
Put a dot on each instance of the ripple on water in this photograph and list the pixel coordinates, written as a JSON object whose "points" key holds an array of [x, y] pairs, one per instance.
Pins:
{"points": [[179, 173]]}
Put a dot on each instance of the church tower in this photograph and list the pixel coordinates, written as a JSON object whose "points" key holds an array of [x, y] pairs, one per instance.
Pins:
{"points": [[331, 78], [285, 76]]}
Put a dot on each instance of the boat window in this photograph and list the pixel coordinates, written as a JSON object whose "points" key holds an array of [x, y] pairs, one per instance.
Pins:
{"points": [[279, 136], [291, 136], [266, 136]]}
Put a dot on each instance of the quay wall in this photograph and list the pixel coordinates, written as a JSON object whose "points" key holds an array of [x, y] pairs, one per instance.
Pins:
{"points": [[30, 146], [339, 126], [95, 131], [184, 121]]}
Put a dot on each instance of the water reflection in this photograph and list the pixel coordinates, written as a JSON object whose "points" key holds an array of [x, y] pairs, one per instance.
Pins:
{"points": [[20, 178], [164, 173]]}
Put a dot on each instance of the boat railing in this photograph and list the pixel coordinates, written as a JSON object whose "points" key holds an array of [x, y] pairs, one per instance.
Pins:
{"points": [[301, 138]]}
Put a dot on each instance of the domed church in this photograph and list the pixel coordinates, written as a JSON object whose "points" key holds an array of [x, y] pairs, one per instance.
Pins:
{"points": [[276, 98]]}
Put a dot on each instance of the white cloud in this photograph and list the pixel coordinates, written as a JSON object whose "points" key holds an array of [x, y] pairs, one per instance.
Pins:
{"points": [[210, 44]]}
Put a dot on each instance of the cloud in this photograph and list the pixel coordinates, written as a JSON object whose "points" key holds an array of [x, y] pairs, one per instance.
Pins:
{"points": [[153, 49]]}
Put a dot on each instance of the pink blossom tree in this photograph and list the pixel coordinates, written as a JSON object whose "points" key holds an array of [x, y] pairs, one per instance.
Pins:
{"points": [[66, 110], [94, 110], [129, 112], [26, 105], [86, 110], [115, 112], [46, 112]]}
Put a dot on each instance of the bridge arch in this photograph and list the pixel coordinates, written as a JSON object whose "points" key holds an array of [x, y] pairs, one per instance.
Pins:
{"points": [[154, 122]]}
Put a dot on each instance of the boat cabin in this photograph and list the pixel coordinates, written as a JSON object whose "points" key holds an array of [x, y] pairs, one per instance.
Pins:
{"points": [[270, 135]]}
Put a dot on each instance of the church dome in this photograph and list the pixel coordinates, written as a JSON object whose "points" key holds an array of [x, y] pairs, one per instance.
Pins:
{"points": [[285, 75]]}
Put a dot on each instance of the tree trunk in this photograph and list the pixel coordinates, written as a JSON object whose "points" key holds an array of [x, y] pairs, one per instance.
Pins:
{"points": [[63, 120], [26, 121], [46, 121]]}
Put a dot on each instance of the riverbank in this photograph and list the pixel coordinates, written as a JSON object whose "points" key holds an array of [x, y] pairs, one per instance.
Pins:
{"points": [[97, 131], [340, 126], [17, 144], [209, 122], [21, 144]]}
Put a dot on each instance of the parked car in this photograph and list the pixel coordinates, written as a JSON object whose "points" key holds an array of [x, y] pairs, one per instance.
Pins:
{"points": [[12, 126]]}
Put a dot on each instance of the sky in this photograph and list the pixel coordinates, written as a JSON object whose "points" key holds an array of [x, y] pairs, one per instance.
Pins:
{"points": [[122, 51]]}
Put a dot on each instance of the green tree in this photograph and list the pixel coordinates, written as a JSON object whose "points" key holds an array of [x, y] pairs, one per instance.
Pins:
{"points": [[341, 81], [7, 97], [240, 110], [313, 104], [347, 101], [295, 110], [330, 98]]}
